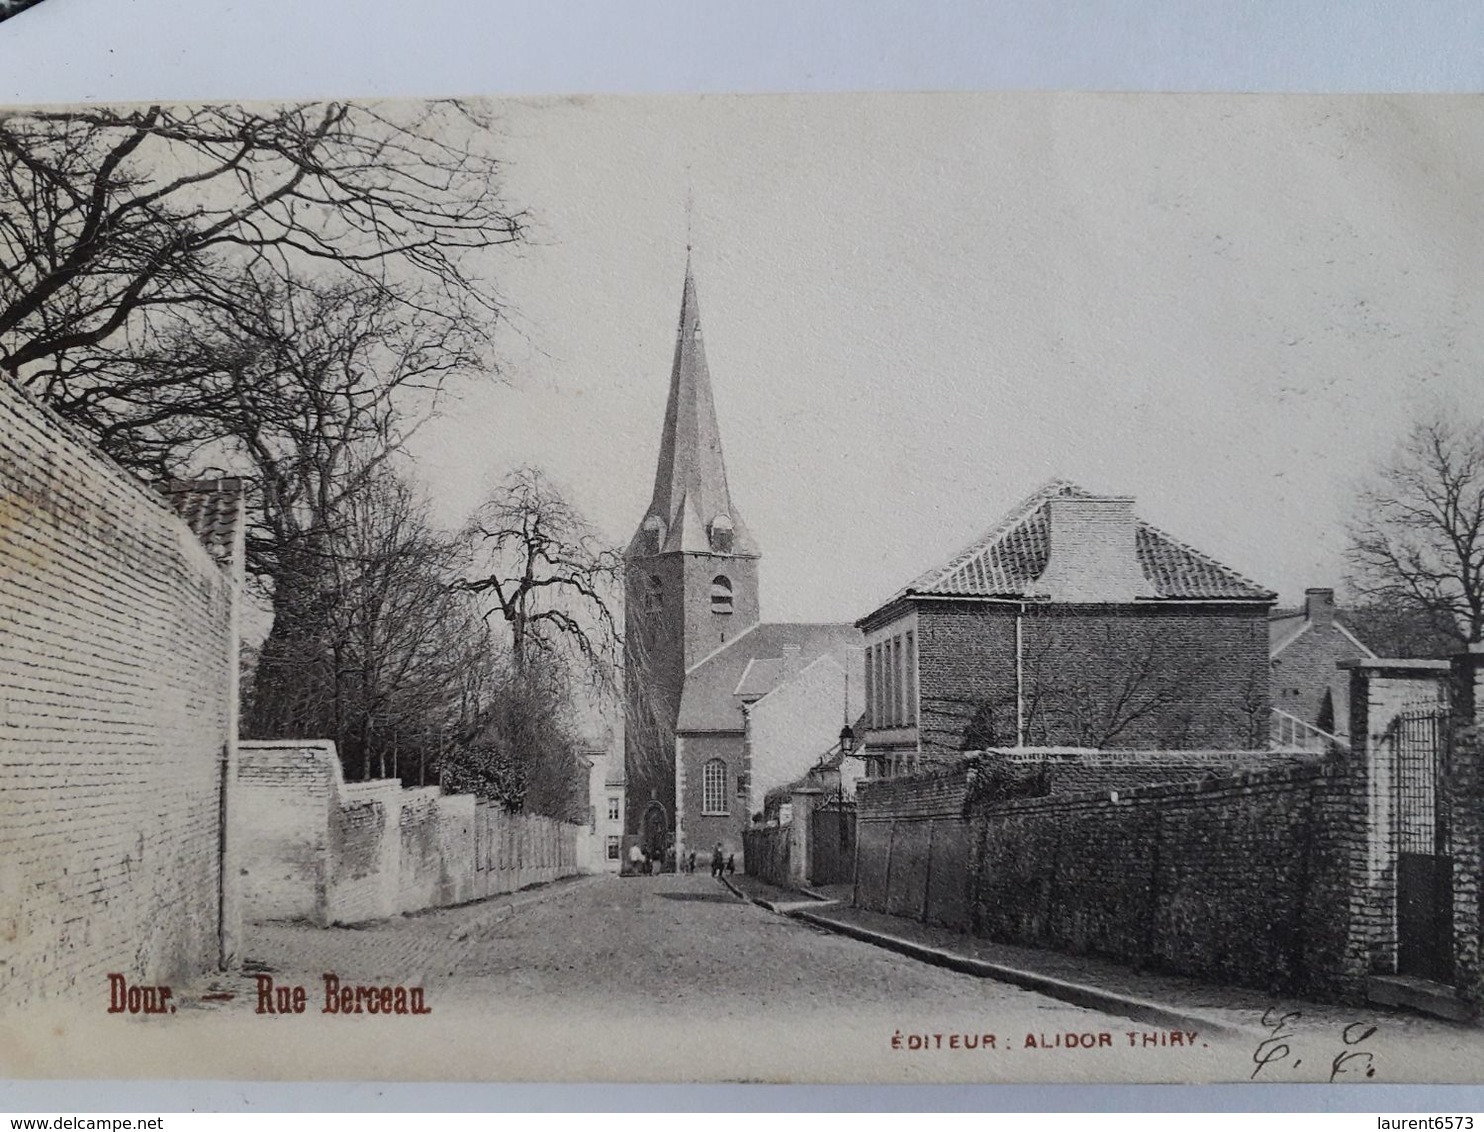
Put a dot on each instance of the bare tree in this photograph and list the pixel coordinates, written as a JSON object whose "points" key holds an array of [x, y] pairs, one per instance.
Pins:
{"points": [[548, 575], [1094, 686], [302, 388], [553, 583], [1417, 539], [121, 226], [381, 662], [1402, 630], [305, 387], [653, 678]]}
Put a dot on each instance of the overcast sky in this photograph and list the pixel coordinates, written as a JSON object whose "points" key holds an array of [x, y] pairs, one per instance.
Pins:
{"points": [[916, 308]]}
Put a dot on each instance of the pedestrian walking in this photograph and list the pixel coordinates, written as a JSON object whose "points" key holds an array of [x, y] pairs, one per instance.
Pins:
{"points": [[635, 856], [716, 860], [690, 866], [731, 863]]}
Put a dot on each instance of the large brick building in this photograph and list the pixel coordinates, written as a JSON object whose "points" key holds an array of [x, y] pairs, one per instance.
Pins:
{"points": [[1073, 623], [693, 629]]}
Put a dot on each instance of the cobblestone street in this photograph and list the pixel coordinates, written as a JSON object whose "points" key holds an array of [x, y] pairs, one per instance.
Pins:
{"points": [[673, 978], [672, 945]]}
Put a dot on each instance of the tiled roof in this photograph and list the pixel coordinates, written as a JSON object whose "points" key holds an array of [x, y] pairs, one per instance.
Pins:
{"points": [[212, 509], [1007, 559]]}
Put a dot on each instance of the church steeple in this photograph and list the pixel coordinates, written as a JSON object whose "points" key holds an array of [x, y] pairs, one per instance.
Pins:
{"points": [[691, 510]]}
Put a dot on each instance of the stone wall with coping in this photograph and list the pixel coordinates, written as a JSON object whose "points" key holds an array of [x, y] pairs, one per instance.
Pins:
{"points": [[334, 852]]}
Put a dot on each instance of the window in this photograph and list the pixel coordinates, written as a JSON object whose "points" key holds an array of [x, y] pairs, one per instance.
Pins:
{"points": [[891, 682], [870, 688], [714, 788], [612, 809], [654, 594], [721, 594], [742, 786], [613, 848], [911, 680], [877, 715], [721, 534], [901, 681]]}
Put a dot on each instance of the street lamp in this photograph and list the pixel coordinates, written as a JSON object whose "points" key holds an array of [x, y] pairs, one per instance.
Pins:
{"points": [[847, 740]]}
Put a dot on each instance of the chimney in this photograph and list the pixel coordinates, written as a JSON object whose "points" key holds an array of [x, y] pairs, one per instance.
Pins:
{"points": [[1093, 556], [1319, 607], [791, 657]]}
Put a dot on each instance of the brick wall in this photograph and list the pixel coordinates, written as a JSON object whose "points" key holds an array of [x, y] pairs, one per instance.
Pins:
{"points": [[966, 660], [1466, 833], [115, 715], [283, 801], [1243, 879], [701, 831], [1204, 668], [330, 851]]}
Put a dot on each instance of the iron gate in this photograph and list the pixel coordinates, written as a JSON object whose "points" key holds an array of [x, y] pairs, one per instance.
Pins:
{"points": [[1424, 868]]}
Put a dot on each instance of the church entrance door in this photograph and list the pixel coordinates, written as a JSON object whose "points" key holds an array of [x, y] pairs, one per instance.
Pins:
{"points": [[654, 834]]}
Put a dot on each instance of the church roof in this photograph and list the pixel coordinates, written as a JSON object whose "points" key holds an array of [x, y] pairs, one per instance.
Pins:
{"points": [[1010, 559], [691, 498], [760, 677], [710, 701]]}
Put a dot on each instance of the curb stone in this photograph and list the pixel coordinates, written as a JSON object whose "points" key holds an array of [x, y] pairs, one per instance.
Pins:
{"points": [[1078, 994], [782, 907]]}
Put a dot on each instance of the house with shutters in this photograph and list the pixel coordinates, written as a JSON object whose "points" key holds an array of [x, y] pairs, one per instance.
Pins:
{"points": [[697, 651], [1071, 622]]}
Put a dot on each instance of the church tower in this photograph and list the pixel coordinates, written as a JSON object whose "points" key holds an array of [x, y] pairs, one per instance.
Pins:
{"points": [[690, 581]]}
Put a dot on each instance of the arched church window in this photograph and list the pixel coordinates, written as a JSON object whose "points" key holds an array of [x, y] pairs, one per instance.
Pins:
{"points": [[654, 527], [721, 534], [721, 594], [654, 594], [714, 784]]}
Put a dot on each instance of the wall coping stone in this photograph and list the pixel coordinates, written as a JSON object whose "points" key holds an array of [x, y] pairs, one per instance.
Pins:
{"points": [[1247, 780], [1394, 664]]}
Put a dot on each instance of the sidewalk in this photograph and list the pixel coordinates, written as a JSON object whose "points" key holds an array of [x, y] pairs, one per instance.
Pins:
{"points": [[1084, 980], [414, 947]]}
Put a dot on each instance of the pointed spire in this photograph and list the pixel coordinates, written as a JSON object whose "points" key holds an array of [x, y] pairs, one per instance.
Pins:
{"points": [[690, 483]]}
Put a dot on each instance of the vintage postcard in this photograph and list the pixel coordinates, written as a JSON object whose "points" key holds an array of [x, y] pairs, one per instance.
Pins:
{"points": [[804, 588]]}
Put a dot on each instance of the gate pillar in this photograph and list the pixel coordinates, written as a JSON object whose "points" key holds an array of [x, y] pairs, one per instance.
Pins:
{"points": [[1380, 689], [801, 835], [1465, 789]]}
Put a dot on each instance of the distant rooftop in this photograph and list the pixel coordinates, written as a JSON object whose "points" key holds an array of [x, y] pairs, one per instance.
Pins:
{"points": [[212, 508]]}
